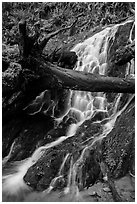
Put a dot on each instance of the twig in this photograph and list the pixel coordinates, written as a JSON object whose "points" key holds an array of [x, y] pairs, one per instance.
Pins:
{"points": [[47, 38]]}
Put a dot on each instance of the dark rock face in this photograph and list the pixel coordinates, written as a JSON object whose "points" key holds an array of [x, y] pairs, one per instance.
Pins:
{"points": [[119, 146], [5, 64], [121, 40], [26, 133], [66, 59], [49, 164], [91, 170]]}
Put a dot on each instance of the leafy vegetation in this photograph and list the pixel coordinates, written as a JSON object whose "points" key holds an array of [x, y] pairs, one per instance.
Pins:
{"points": [[50, 16]]}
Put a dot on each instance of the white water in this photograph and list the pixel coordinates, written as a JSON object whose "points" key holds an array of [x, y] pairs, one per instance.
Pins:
{"points": [[92, 58], [13, 184], [9, 155]]}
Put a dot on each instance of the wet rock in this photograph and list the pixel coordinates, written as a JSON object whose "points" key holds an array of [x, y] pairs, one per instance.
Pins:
{"points": [[99, 115], [93, 193], [91, 170], [126, 188], [26, 137], [65, 59], [88, 168], [49, 165], [101, 195], [106, 189], [37, 104], [11, 78], [121, 39]]}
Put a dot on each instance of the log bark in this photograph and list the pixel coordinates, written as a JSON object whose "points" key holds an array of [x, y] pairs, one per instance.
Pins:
{"points": [[64, 78], [20, 87], [77, 80]]}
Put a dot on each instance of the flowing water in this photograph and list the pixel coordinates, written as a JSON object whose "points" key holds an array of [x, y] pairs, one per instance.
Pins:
{"points": [[92, 58]]}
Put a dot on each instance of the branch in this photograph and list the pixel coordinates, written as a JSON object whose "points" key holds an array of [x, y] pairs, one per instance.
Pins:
{"points": [[47, 38]]}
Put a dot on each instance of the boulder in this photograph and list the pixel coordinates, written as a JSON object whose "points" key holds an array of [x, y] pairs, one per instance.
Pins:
{"points": [[65, 59]]}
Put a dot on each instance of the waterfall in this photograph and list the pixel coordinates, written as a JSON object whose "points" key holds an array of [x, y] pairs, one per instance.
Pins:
{"points": [[92, 58]]}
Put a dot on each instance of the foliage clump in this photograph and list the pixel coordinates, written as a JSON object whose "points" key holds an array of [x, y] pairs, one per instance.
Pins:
{"points": [[53, 15]]}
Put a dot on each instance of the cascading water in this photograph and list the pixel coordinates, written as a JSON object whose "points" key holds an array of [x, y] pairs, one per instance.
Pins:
{"points": [[83, 106]]}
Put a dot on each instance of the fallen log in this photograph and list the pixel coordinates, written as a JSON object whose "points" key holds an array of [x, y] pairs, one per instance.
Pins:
{"points": [[22, 87], [66, 79], [77, 80]]}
